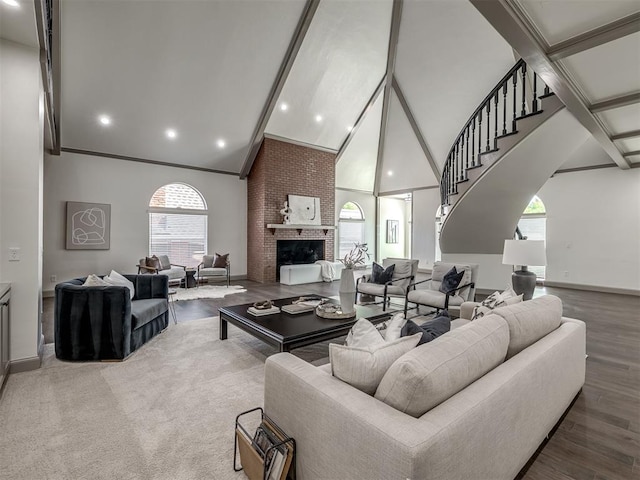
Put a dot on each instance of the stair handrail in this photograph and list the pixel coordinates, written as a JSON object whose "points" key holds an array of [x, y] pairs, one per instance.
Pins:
{"points": [[457, 162]]}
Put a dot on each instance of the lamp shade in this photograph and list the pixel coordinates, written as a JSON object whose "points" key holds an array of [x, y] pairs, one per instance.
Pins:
{"points": [[524, 252]]}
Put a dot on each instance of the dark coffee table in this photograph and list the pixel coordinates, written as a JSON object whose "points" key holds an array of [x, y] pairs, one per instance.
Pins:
{"points": [[286, 331]]}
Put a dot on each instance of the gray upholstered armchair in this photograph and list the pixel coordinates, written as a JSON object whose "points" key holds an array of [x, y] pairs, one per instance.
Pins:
{"points": [[431, 295], [163, 266], [404, 274], [211, 267]]}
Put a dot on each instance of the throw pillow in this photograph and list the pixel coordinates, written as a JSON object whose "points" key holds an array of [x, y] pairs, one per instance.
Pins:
{"points": [[364, 334], [114, 278], [94, 281], [394, 327], [207, 261], [364, 367], [381, 275], [451, 280], [165, 263], [221, 261], [495, 300], [429, 330], [152, 262]]}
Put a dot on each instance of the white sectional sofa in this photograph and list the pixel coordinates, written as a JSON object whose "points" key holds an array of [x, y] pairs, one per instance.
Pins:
{"points": [[306, 273], [486, 430]]}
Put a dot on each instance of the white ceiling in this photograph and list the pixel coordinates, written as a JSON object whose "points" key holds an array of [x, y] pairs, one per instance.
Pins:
{"points": [[205, 68], [18, 24], [600, 73], [340, 64]]}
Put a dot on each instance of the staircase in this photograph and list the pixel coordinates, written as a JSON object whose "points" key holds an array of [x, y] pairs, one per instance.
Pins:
{"points": [[510, 146]]}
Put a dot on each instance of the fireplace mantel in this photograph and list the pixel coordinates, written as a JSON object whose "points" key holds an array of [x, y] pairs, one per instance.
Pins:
{"points": [[274, 226]]}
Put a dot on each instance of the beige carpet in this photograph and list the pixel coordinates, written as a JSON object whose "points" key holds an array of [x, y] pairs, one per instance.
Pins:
{"points": [[167, 412]]}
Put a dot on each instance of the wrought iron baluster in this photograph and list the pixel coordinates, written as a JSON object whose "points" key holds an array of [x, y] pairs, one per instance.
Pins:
{"points": [[463, 168], [473, 142], [515, 88], [524, 84], [546, 88], [495, 125], [504, 108], [488, 123], [466, 150], [479, 135], [535, 93]]}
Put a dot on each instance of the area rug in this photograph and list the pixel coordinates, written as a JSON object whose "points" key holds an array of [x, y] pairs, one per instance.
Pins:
{"points": [[167, 412], [207, 291]]}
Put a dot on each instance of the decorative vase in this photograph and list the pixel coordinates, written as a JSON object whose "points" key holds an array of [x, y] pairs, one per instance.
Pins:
{"points": [[347, 291]]}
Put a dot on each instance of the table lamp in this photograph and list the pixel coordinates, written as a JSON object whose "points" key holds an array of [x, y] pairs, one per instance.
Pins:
{"points": [[524, 253]]}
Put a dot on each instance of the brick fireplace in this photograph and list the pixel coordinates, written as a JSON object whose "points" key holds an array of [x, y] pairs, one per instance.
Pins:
{"points": [[282, 169]]}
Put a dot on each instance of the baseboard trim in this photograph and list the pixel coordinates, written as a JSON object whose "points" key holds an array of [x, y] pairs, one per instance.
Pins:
{"points": [[25, 365], [593, 288]]}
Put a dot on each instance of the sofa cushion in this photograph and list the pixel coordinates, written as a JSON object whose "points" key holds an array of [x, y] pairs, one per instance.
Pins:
{"points": [[431, 329], [364, 367], [435, 371], [378, 290], [143, 311], [94, 281], [530, 321], [212, 272]]}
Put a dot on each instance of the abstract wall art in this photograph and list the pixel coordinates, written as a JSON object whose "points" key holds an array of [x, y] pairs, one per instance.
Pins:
{"points": [[304, 210], [88, 226], [392, 231]]}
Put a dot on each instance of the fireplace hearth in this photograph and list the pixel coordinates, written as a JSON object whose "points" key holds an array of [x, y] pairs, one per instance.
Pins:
{"points": [[293, 252]]}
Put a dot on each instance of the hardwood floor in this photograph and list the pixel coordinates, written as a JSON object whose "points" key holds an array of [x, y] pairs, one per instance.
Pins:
{"points": [[599, 438]]}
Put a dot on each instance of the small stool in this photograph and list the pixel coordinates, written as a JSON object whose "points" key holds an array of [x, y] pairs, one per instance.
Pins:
{"points": [[172, 307]]}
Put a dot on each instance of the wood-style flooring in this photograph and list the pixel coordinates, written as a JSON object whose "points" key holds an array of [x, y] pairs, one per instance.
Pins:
{"points": [[598, 439]]}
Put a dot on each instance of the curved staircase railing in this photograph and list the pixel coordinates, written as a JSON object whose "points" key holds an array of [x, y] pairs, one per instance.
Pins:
{"points": [[494, 118]]}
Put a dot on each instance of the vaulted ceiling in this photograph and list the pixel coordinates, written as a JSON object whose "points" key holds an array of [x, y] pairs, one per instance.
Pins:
{"points": [[221, 74]]}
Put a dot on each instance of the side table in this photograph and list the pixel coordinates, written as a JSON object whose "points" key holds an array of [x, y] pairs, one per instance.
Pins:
{"points": [[172, 307], [189, 280]]}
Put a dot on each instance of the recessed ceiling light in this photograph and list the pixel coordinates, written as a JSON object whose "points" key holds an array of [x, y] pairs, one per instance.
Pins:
{"points": [[349, 128], [390, 173], [221, 143], [284, 107], [318, 118], [171, 133], [11, 3], [104, 120]]}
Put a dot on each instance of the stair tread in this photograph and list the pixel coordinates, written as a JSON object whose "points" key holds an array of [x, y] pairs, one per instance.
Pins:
{"points": [[529, 115], [507, 134], [550, 94], [493, 150]]}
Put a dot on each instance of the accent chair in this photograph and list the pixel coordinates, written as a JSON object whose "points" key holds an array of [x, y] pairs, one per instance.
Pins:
{"points": [[207, 270], [403, 274]]}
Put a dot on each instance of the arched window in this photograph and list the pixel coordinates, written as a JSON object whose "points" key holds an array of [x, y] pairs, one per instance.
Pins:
{"points": [[533, 225], [178, 224], [350, 227]]}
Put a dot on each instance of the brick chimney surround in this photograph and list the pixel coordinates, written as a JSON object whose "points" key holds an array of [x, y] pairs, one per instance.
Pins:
{"points": [[282, 169]]}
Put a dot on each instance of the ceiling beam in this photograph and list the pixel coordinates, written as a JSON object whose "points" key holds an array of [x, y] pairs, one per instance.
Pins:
{"points": [[281, 77], [361, 118], [511, 22], [631, 154], [416, 129], [616, 102], [396, 14], [593, 38], [622, 136]]}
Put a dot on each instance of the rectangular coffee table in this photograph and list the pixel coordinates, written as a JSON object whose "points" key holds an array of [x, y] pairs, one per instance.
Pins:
{"points": [[286, 331]]}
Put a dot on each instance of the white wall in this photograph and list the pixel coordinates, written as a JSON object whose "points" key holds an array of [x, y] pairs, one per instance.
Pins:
{"points": [[425, 203], [392, 209], [367, 203], [128, 187], [21, 154], [593, 228]]}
